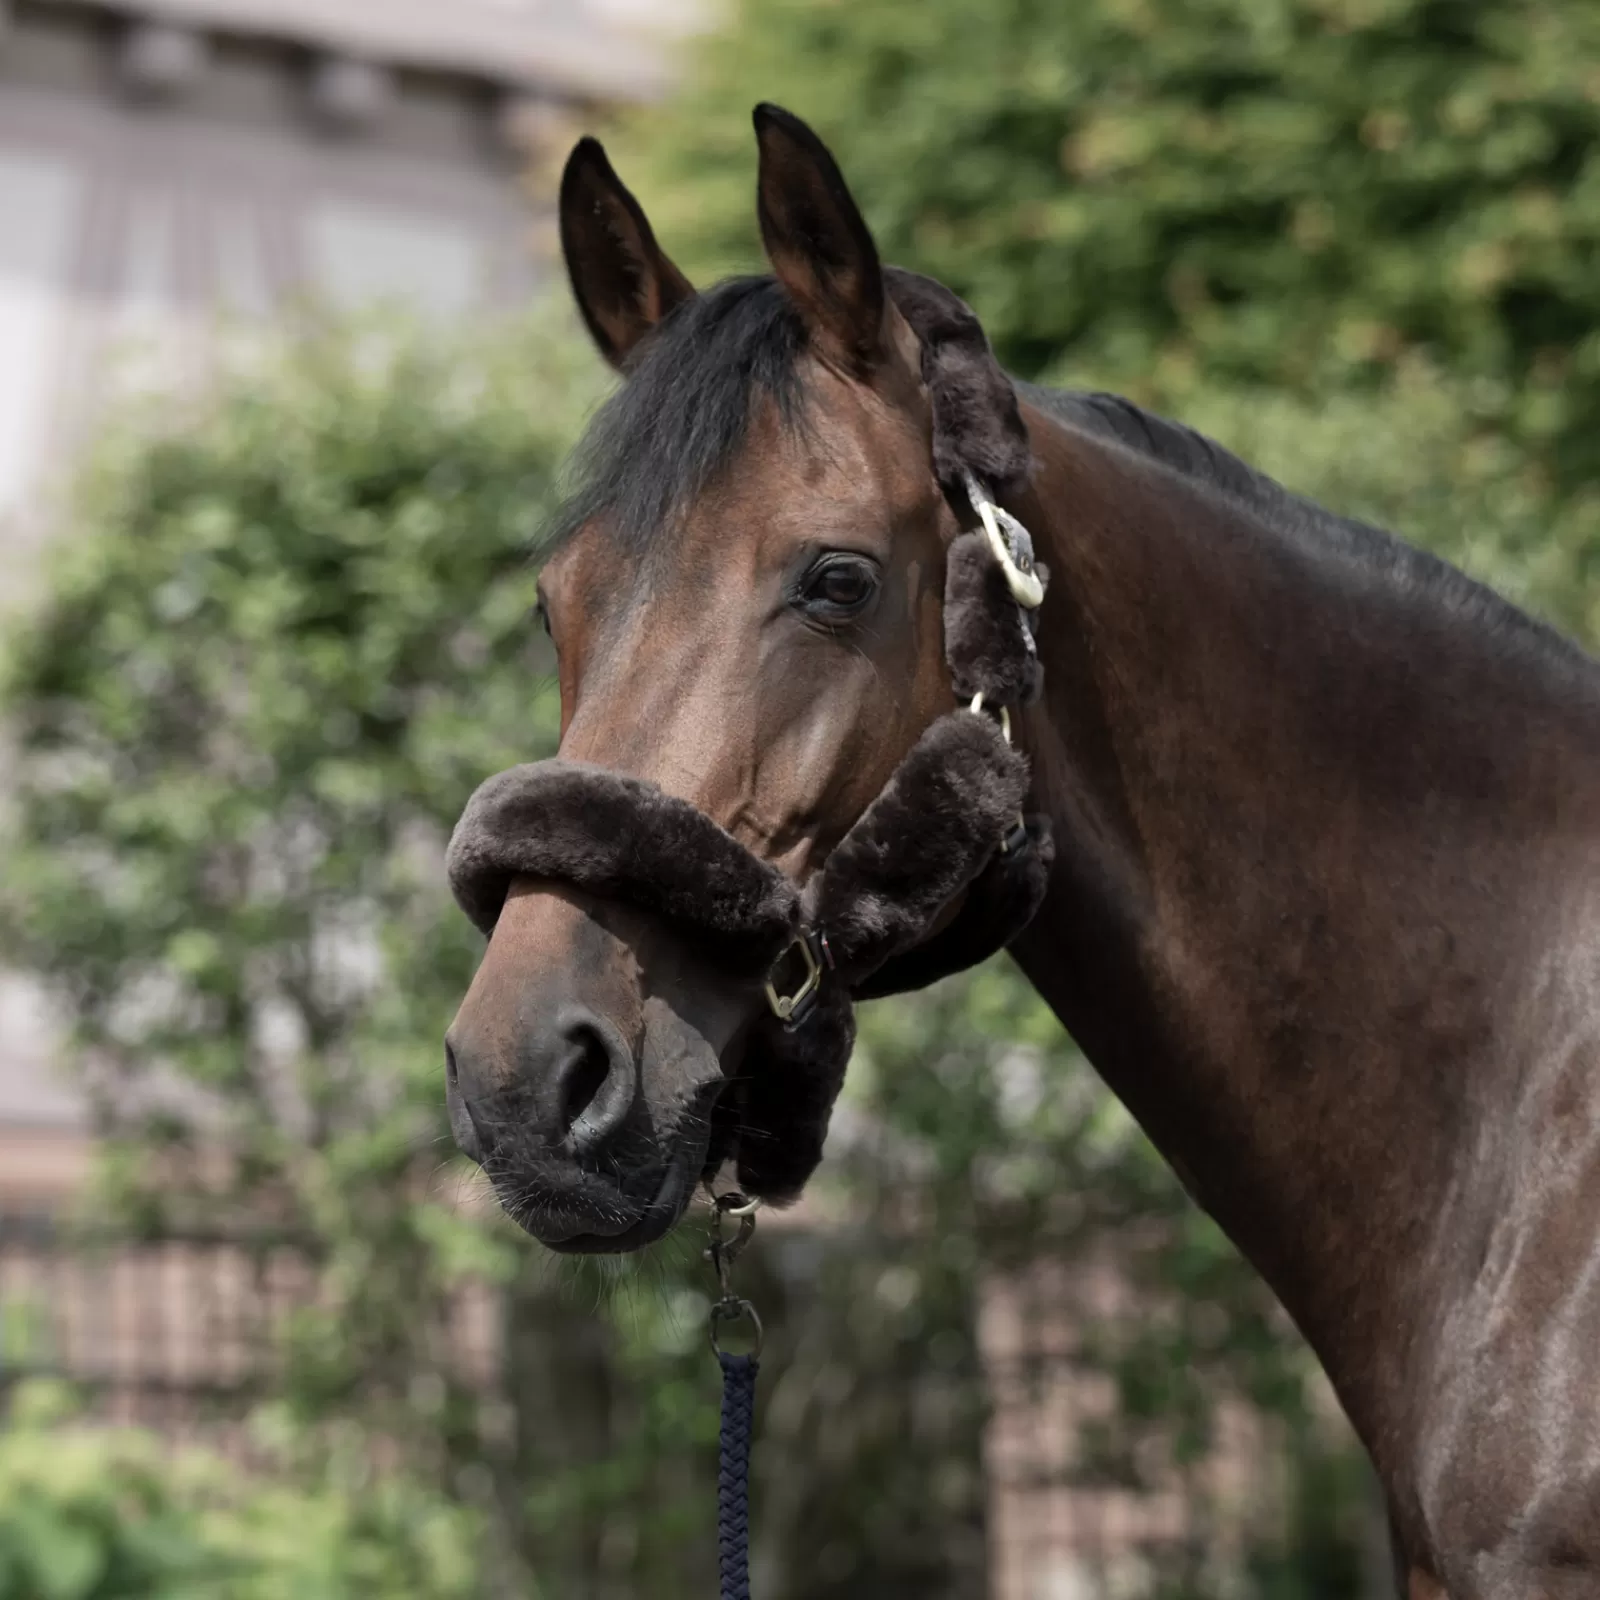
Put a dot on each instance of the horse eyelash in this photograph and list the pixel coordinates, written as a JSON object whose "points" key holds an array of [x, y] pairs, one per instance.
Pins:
{"points": [[798, 595]]}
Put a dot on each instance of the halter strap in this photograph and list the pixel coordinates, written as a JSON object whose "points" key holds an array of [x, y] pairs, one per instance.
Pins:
{"points": [[807, 958]]}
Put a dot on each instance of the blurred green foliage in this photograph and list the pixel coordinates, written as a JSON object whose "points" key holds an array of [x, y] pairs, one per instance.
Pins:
{"points": [[1295, 193], [87, 1515], [290, 633]]}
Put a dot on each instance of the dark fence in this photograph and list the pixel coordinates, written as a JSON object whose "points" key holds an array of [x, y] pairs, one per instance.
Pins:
{"points": [[174, 1334], [178, 1335]]}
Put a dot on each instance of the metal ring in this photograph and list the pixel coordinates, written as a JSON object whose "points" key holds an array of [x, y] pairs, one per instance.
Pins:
{"points": [[1025, 587], [976, 708], [734, 1311]]}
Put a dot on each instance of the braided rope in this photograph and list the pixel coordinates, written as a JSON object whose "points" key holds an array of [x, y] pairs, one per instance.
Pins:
{"points": [[733, 1475]]}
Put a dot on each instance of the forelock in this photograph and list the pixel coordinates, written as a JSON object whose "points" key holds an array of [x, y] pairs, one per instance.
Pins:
{"points": [[683, 412]]}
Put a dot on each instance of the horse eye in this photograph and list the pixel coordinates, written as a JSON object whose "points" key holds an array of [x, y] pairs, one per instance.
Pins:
{"points": [[839, 587], [543, 613]]}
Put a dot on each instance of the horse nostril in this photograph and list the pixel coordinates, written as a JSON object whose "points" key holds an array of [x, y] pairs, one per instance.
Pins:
{"points": [[595, 1088], [469, 1136], [584, 1074]]}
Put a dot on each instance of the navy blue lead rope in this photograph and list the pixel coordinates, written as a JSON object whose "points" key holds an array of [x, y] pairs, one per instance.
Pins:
{"points": [[733, 1474], [738, 1398]]}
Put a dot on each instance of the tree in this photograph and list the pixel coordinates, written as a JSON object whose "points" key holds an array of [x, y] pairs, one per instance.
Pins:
{"points": [[91, 1515], [288, 634], [1291, 193]]}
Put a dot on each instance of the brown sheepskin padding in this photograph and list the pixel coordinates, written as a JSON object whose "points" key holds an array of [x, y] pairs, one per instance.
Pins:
{"points": [[977, 426], [622, 839], [919, 844], [984, 644], [933, 832], [790, 1080], [1000, 903]]}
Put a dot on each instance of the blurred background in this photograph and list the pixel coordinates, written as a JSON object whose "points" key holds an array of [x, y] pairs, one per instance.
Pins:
{"points": [[286, 375]]}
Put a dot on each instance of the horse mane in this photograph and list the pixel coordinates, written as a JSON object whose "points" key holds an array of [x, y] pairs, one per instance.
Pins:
{"points": [[684, 413], [1327, 534]]}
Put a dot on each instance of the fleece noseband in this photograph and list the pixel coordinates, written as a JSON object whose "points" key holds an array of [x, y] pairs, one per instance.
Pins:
{"points": [[949, 822]]}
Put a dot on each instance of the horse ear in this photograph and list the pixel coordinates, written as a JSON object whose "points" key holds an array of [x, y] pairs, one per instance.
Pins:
{"points": [[622, 280], [817, 242]]}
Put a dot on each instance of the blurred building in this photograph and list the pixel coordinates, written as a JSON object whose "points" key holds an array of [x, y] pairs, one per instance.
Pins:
{"points": [[172, 169]]}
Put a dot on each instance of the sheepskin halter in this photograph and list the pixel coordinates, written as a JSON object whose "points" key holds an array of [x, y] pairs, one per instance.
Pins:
{"points": [[948, 824]]}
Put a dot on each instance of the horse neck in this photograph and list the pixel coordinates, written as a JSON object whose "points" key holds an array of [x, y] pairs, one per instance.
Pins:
{"points": [[1284, 792]]}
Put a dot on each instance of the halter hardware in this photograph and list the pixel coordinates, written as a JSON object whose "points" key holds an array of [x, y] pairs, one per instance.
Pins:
{"points": [[1002, 712], [1011, 544], [722, 1252], [792, 1008]]}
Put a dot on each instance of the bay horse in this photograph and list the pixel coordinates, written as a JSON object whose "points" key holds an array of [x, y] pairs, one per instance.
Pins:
{"points": [[1325, 906]]}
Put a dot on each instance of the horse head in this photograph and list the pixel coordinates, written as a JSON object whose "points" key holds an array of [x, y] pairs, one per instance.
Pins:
{"points": [[746, 591]]}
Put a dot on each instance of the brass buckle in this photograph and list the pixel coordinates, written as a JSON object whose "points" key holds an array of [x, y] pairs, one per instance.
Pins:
{"points": [[791, 1009], [722, 1253]]}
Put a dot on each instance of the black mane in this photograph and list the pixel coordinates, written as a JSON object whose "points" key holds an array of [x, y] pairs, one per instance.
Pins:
{"points": [[684, 413], [1192, 455]]}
